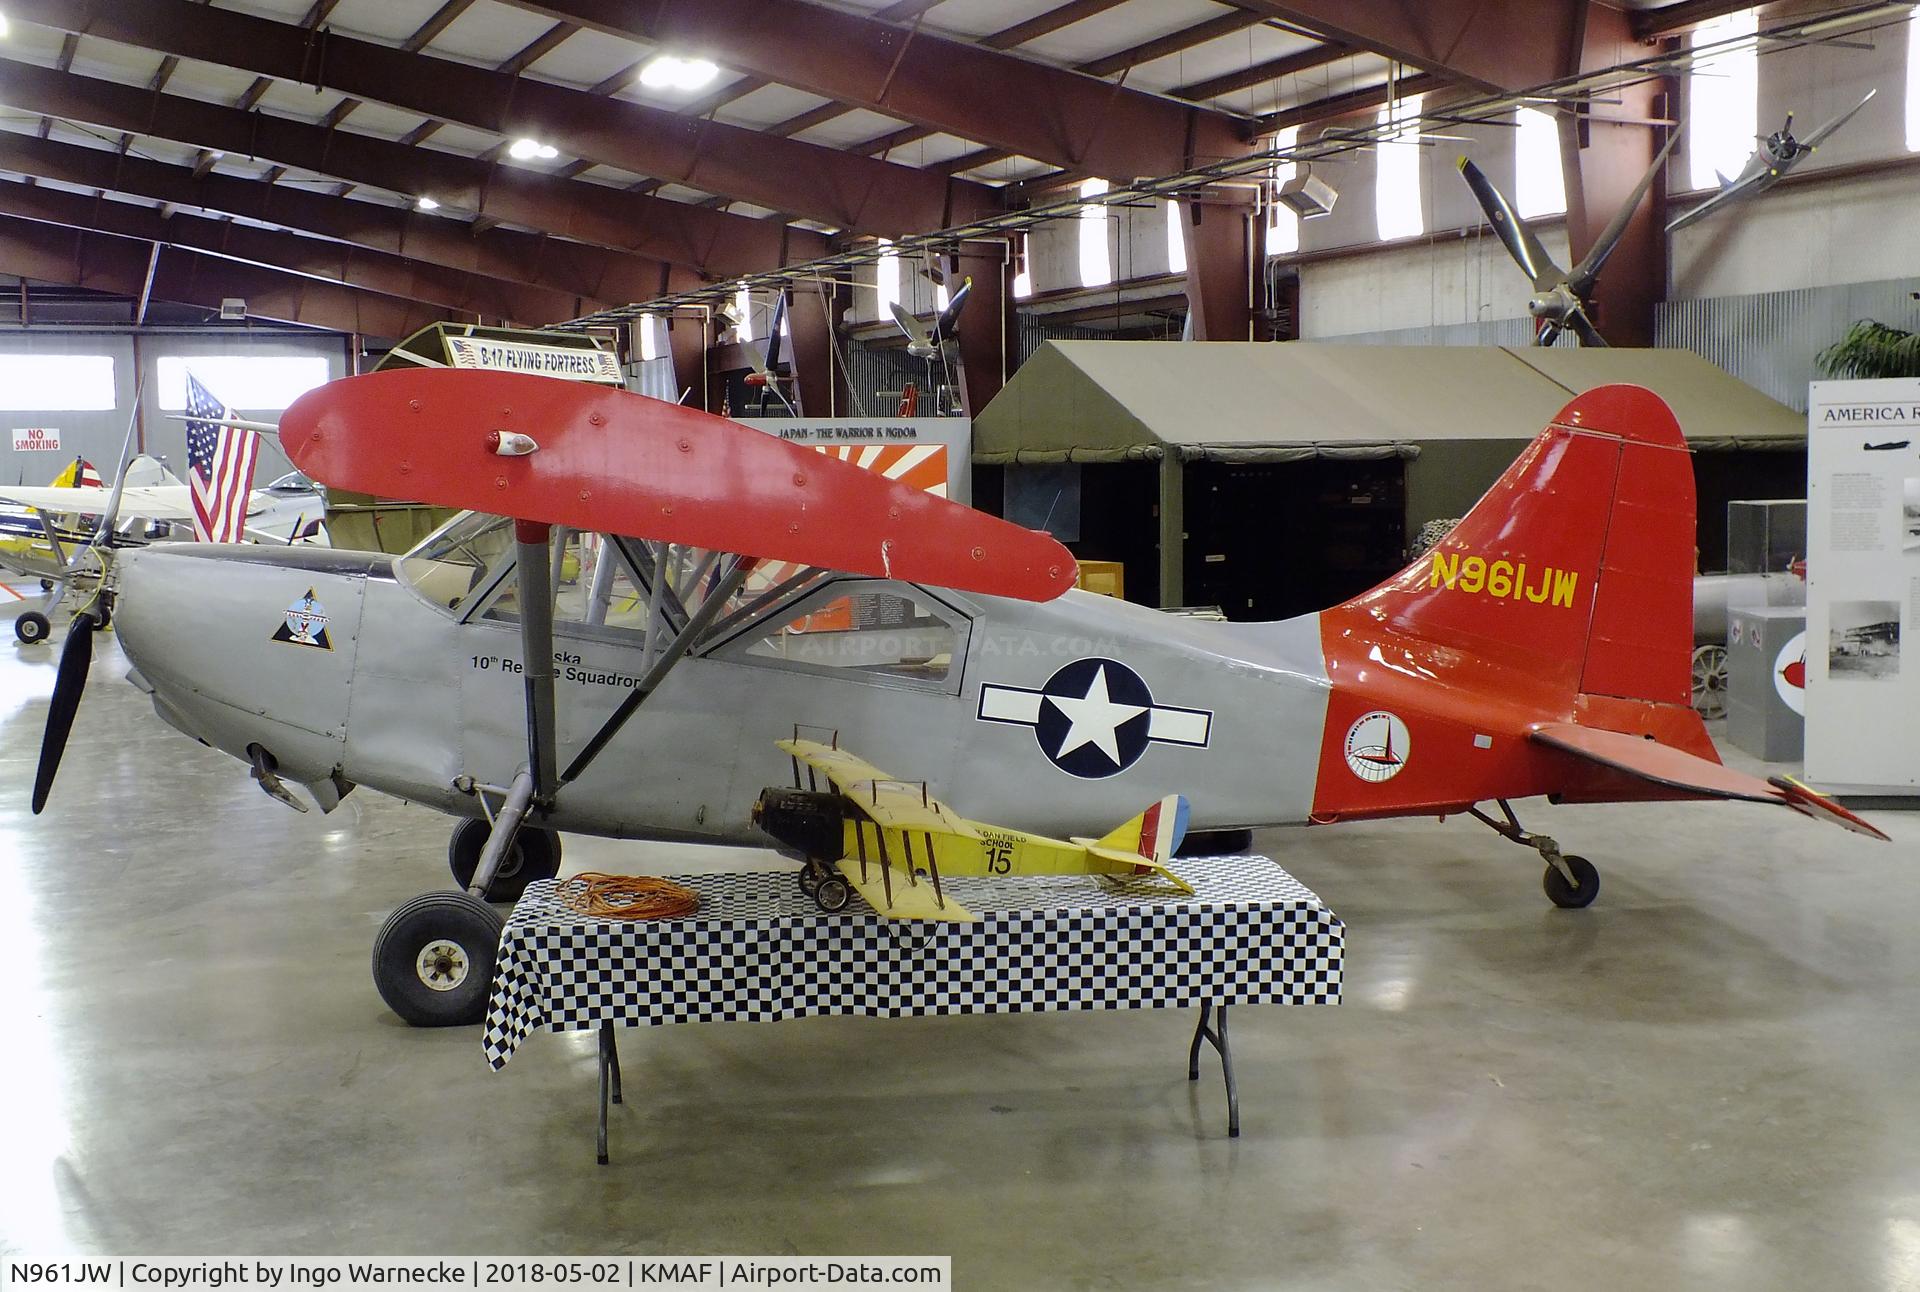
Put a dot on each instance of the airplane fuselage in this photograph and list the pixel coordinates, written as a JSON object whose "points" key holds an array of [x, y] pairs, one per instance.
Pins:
{"points": [[1057, 717]]}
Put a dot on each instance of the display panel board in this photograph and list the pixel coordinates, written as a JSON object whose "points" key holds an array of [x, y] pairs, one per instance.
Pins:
{"points": [[1863, 584], [902, 448]]}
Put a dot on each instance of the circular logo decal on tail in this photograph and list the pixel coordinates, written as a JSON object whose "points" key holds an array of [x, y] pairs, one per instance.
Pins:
{"points": [[1377, 746]]}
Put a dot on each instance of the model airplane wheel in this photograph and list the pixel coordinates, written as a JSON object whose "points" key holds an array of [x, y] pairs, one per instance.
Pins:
{"points": [[1572, 896], [833, 893], [1710, 681], [809, 882], [46, 585], [433, 960], [32, 627], [535, 855]]}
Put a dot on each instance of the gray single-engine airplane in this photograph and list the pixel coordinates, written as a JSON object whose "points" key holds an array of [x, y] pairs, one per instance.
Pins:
{"points": [[1777, 154], [628, 559]]}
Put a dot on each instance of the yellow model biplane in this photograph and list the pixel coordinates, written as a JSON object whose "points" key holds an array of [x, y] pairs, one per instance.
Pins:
{"points": [[893, 841]]}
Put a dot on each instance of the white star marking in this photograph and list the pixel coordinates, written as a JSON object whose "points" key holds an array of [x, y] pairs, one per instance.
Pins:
{"points": [[1095, 719]]}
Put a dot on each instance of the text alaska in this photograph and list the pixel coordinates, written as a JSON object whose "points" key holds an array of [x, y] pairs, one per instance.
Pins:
{"points": [[1503, 580]]}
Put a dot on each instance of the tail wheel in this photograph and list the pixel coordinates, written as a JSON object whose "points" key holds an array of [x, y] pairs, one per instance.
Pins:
{"points": [[535, 855], [1573, 896], [32, 627], [433, 959], [1710, 681]]}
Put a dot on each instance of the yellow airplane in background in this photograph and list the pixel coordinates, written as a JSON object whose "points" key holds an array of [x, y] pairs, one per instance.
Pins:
{"points": [[892, 841]]}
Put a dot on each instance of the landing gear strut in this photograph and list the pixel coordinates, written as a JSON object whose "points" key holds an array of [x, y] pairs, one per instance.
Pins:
{"points": [[1570, 882]]}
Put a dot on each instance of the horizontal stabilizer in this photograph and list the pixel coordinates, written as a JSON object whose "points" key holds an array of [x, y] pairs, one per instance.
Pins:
{"points": [[1143, 865], [1676, 769], [906, 901]]}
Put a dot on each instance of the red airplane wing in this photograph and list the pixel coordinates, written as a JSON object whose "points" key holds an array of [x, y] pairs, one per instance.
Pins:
{"points": [[613, 462], [1675, 769]]}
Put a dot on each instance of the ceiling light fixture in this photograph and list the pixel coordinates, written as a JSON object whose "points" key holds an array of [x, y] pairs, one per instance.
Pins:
{"points": [[3, 26], [427, 204], [532, 150], [667, 72]]}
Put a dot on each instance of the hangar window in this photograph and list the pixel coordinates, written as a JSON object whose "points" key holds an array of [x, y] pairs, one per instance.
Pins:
{"points": [[263, 382], [1022, 272], [56, 383], [886, 277], [1723, 97], [1096, 258], [1396, 190], [869, 629], [1283, 222], [1176, 240], [1538, 186], [743, 314], [1913, 83]]}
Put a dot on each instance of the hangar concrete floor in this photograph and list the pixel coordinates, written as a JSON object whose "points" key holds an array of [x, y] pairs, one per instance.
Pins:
{"points": [[1708, 1080]]}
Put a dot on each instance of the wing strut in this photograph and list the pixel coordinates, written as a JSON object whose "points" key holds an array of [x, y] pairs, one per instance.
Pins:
{"points": [[670, 655]]}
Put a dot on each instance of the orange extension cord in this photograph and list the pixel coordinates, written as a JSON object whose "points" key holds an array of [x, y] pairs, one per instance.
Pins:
{"points": [[626, 897]]}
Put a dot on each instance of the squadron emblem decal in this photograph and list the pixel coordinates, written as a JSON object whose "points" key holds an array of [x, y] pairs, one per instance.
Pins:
{"points": [[1377, 746], [1095, 717], [306, 624]]}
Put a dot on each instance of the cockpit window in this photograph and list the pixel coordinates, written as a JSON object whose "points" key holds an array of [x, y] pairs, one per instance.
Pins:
{"points": [[867, 628], [456, 561], [291, 483], [594, 588]]}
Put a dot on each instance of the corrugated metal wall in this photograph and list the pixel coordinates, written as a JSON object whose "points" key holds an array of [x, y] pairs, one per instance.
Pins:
{"points": [[1769, 339], [1510, 332]]}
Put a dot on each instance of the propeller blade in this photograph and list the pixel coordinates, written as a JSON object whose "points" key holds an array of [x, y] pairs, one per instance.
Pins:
{"points": [[773, 333], [1518, 239], [907, 323], [76, 657], [944, 321], [1588, 269], [1584, 329]]}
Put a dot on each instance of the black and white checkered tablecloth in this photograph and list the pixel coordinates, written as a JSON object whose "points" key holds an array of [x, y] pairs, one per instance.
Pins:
{"points": [[758, 950]]}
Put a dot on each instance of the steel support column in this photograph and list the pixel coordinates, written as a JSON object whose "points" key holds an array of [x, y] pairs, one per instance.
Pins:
{"points": [[1222, 247], [1602, 163], [989, 327], [689, 332], [819, 377]]}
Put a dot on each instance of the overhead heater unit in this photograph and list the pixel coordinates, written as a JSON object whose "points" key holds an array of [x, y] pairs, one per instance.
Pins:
{"points": [[233, 309], [1309, 196]]}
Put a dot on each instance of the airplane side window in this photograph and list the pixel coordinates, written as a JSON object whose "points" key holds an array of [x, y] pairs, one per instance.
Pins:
{"points": [[870, 629], [594, 591], [453, 562]]}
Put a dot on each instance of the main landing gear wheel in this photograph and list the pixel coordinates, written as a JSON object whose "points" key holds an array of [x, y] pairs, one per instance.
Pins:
{"points": [[1576, 895], [535, 855], [33, 627], [433, 961], [833, 893]]}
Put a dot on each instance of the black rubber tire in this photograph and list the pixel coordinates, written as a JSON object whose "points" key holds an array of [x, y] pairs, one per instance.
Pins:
{"points": [[833, 894], [46, 585], [1216, 843], [465, 924], [535, 855], [1565, 896], [33, 627], [808, 883]]}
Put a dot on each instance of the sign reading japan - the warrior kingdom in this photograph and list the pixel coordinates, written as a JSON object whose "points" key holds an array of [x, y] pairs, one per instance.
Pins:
{"points": [[580, 363]]}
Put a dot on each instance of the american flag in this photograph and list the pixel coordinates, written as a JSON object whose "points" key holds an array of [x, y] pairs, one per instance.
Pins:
{"points": [[219, 467]]}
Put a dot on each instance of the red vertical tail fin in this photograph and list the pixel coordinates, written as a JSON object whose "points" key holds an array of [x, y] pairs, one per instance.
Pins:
{"points": [[1577, 566]]}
